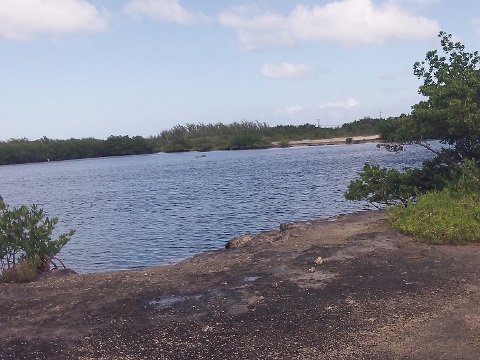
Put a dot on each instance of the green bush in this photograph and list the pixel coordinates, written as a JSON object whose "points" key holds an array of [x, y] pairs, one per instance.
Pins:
{"points": [[380, 185], [26, 241], [450, 216], [248, 141], [390, 186], [284, 143]]}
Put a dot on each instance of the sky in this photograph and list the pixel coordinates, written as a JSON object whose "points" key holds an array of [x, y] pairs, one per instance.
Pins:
{"points": [[87, 68]]}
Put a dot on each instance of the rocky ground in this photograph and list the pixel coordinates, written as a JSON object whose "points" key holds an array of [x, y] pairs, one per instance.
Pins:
{"points": [[339, 288]]}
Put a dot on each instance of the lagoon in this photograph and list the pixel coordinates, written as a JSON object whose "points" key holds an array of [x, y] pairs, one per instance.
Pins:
{"points": [[136, 211]]}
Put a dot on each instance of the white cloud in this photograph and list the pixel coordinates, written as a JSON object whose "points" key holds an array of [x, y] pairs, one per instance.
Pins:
{"points": [[290, 112], [344, 21], [23, 19], [293, 109], [284, 70], [346, 104], [164, 10]]}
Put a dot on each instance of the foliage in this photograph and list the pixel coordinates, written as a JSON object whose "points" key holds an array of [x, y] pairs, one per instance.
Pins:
{"points": [[451, 109], [365, 126], [189, 137], [45, 149], [450, 113], [452, 88], [380, 185], [284, 143], [467, 179], [391, 186], [26, 238], [253, 135], [449, 216], [248, 141]]}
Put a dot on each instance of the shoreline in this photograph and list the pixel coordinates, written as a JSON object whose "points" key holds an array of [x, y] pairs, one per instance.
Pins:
{"points": [[330, 141], [336, 141], [344, 287]]}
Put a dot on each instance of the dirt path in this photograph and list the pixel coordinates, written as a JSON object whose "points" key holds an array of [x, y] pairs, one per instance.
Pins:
{"points": [[344, 288]]}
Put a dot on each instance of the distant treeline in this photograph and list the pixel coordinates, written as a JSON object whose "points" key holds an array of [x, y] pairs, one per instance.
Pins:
{"points": [[189, 137], [253, 135], [45, 149]]}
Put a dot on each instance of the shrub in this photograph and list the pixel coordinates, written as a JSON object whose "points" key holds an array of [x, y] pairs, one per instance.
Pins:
{"points": [[448, 216], [26, 241], [284, 143], [380, 185], [248, 141], [20, 273]]}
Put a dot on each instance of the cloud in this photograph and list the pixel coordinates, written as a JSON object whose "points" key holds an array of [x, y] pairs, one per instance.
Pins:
{"points": [[346, 104], [24, 19], [347, 22], [292, 109], [284, 71], [163, 10]]}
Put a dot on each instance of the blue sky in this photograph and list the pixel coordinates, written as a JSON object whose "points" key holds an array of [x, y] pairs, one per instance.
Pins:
{"points": [[86, 68]]}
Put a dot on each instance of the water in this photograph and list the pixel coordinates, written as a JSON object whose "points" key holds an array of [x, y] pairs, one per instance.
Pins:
{"points": [[137, 211]]}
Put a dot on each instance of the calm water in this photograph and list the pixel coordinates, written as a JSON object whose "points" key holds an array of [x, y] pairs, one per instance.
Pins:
{"points": [[137, 211]]}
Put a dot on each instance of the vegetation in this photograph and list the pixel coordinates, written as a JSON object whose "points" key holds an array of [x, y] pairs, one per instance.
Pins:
{"points": [[381, 185], [440, 200], [451, 215], [26, 245], [45, 149], [250, 135], [190, 137]]}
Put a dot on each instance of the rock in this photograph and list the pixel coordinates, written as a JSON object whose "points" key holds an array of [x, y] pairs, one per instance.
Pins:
{"points": [[318, 261], [56, 273], [239, 241], [283, 226], [288, 226]]}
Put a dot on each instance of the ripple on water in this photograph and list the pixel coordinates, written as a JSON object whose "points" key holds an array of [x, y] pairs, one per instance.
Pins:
{"points": [[148, 210]]}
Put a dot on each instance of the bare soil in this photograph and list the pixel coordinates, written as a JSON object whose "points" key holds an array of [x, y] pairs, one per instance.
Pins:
{"points": [[339, 288]]}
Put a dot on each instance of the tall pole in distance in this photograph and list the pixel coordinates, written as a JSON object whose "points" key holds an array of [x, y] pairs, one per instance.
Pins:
{"points": [[318, 123]]}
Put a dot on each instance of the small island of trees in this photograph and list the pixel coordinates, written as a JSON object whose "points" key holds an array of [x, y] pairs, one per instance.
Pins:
{"points": [[190, 137]]}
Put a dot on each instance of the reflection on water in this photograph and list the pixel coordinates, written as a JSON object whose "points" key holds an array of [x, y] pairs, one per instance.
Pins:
{"points": [[137, 211]]}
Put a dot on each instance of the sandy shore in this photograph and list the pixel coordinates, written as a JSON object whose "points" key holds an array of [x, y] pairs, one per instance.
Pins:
{"points": [[335, 141], [339, 288]]}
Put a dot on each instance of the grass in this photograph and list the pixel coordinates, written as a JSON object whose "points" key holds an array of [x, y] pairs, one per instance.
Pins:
{"points": [[20, 273], [451, 216]]}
